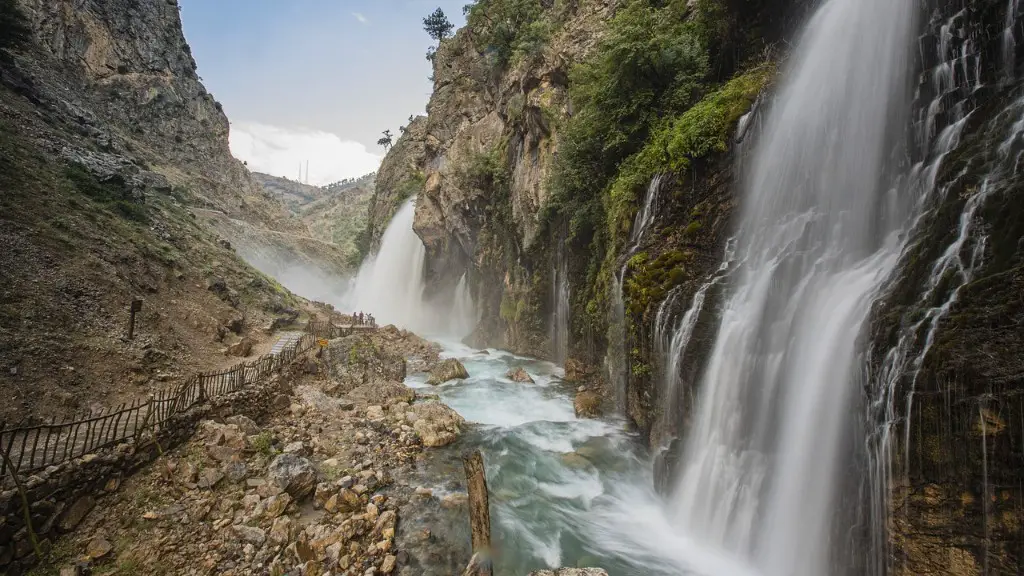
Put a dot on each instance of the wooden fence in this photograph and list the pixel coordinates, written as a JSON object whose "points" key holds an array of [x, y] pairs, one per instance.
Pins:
{"points": [[35, 447]]}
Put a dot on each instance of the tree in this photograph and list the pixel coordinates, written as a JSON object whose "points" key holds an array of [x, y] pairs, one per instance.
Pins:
{"points": [[438, 27], [386, 140]]}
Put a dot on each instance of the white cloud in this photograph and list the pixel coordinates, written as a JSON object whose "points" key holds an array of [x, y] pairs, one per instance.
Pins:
{"points": [[279, 151], [362, 19]]}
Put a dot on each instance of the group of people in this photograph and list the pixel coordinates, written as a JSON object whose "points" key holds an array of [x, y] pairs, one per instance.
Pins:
{"points": [[360, 319]]}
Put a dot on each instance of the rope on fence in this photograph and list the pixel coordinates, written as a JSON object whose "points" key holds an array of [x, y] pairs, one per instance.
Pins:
{"points": [[39, 446]]}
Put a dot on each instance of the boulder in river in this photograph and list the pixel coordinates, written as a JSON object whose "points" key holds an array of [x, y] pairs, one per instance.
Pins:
{"points": [[519, 375], [570, 572], [436, 424], [574, 371], [449, 369], [587, 404]]}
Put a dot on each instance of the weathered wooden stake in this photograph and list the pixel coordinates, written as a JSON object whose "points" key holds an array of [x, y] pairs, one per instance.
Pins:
{"points": [[479, 515], [136, 307]]}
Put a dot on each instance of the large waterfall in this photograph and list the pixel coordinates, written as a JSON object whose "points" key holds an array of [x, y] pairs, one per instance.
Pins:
{"points": [[390, 285], [819, 234]]}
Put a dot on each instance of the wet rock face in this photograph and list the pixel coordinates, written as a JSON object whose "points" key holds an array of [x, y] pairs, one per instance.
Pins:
{"points": [[519, 375]]}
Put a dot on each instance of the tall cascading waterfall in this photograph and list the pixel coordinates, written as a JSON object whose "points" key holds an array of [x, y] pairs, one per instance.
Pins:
{"points": [[390, 285], [559, 329], [616, 359], [820, 233]]}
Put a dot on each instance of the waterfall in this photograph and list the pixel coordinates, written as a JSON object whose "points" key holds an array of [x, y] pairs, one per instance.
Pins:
{"points": [[558, 331], [1009, 41], [464, 315], [819, 234], [616, 359], [390, 285]]}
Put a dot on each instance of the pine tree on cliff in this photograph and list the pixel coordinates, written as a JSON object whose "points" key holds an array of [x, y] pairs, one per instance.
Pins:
{"points": [[438, 27], [386, 140]]}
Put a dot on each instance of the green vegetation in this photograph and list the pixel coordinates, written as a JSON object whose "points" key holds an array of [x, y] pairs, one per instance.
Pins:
{"points": [[651, 280], [111, 194], [507, 30], [263, 443]]}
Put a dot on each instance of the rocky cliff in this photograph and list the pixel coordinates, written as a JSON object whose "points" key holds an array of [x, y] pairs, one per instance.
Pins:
{"points": [[578, 160], [112, 154]]}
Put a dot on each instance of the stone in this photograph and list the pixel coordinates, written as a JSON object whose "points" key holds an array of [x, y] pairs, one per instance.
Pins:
{"points": [[424, 491], [570, 572], [331, 505], [575, 460], [250, 534], [235, 471], [324, 491], [345, 482], [241, 349], [386, 521], [98, 548], [437, 424], [275, 505], [210, 478], [588, 404], [296, 448], [454, 500], [282, 402], [244, 423], [388, 564], [348, 501], [112, 485], [222, 453], [292, 474], [519, 375], [297, 410], [375, 413], [281, 530], [448, 369], [74, 515], [574, 371]]}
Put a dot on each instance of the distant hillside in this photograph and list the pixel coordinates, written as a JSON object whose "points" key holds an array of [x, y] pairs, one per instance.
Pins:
{"points": [[293, 194], [335, 213]]}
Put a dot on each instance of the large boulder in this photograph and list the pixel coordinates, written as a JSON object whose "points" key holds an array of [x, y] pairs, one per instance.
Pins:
{"points": [[587, 404], [519, 375], [575, 371], [436, 424], [293, 474], [570, 572], [449, 369], [242, 348]]}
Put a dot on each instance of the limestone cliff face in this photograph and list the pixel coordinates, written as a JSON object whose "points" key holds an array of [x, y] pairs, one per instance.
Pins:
{"points": [[127, 76], [116, 178], [400, 176]]}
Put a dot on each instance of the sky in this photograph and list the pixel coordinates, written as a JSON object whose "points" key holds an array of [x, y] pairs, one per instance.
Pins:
{"points": [[315, 80]]}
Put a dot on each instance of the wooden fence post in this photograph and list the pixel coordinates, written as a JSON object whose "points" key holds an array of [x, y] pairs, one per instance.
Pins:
{"points": [[479, 515]]}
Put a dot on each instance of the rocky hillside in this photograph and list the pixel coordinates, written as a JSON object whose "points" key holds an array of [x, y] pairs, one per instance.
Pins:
{"points": [[293, 195], [112, 152], [553, 125]]}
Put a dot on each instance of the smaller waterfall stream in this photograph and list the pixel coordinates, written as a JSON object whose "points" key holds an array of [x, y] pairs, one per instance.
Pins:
{"points": [[616, 359]]}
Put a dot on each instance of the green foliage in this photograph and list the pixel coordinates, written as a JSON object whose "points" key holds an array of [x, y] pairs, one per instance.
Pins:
{"points": [[437, 25], [503, 29], [263, 443], [650, 65], [677, 141], [111, 193], [14, 29], [651, 280]]}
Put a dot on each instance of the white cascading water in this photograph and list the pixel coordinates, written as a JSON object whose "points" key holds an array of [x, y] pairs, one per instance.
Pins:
{"points": [[616, 358], [390, 285], [819, 235], [559, 329]]}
